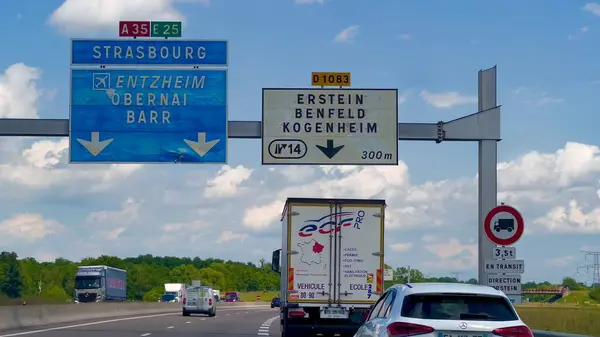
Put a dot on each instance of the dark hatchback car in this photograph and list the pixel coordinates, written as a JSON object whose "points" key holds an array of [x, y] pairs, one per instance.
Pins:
{"points": [[275, 302]]}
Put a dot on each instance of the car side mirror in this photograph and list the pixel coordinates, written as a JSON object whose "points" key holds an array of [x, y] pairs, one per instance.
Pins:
{"points": [[275, 261]]}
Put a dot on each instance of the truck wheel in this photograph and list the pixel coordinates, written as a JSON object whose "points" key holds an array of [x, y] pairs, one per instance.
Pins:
{"points": [[185, 313]]}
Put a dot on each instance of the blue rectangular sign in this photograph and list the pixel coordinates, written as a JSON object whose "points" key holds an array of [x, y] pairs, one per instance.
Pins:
{"points": [[148, 52], [148, 116]]}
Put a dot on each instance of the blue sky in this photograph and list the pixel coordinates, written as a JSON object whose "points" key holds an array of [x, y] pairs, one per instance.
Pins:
{"points": [[546, 53]]}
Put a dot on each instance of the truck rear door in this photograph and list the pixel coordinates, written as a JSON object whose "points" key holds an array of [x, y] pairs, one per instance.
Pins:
{"points": [[359, 253], [310, 268]]}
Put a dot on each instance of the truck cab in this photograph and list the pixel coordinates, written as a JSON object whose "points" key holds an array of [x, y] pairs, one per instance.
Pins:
{"points": [[100, 283]]}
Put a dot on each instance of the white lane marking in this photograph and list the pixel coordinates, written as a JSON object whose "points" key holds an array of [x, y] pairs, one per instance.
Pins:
{"points": [[104, 322], [265, 327], [170, 327], [146, 334], [188, 322], [226, 314]]}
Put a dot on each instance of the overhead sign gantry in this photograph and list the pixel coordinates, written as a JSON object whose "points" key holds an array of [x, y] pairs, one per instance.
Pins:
{"points": [[205, 141]]}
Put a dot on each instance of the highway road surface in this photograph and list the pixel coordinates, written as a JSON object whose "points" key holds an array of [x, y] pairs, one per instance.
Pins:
{"points": [[229, 322]]}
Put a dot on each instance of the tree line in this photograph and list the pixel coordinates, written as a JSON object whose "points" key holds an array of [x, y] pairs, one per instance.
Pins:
{"points": [[46, 282]]}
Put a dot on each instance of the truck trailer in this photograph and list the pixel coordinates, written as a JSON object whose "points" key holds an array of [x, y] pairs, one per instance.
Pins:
{"points": [[173, 292], [331, 264], [100, 283]]}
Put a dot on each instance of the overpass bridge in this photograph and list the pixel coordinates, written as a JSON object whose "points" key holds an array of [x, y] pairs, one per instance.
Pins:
{"points": [[564, 291]]}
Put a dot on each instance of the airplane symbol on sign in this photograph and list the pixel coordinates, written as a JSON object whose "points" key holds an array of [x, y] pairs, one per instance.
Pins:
{"points": [[101, 81]]}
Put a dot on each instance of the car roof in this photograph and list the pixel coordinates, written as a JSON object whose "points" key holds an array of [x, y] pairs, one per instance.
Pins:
{"points": [[438, 287]]}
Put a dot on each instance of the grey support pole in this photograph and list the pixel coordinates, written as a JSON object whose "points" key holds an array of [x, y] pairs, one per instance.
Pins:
{"points": [[488, 173]]}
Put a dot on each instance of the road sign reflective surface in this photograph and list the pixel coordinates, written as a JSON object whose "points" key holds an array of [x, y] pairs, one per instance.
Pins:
{"points": [[330, 126]]}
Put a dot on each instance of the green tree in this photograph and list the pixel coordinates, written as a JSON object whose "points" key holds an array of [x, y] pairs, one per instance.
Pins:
{"points": [[571, 283], [595, 293], [12, 282]]}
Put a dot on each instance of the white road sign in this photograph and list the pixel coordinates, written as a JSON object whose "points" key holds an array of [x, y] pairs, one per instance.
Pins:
{"points": [[515, 299], [388, 274], [504, 267], [504, 253], [509, 284], [330, 126]]}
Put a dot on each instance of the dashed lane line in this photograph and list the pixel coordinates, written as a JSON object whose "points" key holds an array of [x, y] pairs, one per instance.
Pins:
{"points": [[264, 328], [65, 327]]}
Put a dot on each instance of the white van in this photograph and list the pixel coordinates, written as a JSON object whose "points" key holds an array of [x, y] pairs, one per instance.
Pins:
{"points": [[199, 300]]}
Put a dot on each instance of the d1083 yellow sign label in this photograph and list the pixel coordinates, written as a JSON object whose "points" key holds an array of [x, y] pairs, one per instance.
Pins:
{"points": [[331, 79]]}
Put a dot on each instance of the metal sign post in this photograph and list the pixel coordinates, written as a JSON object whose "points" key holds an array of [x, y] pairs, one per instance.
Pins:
{"points": [[482, 127]]}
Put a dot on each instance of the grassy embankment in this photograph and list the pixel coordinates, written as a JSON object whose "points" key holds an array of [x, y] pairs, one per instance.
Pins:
{"points": [[576, 314]]}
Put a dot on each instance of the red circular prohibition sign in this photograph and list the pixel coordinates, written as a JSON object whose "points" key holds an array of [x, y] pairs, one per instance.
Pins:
{"points": [[518, 233]]}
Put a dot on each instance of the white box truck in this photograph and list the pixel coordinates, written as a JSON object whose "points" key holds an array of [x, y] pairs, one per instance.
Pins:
{"points": [[331, 264], [173, 292]]}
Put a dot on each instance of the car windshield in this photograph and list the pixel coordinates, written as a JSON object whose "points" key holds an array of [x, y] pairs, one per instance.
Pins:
{"points": [[458, 307], [167, 297]]}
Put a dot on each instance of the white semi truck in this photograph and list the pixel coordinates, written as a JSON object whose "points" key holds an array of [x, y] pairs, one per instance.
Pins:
{"points": [[331, 264]]}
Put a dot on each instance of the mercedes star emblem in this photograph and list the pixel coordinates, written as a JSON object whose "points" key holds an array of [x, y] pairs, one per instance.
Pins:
{"points": [[462, 325]]}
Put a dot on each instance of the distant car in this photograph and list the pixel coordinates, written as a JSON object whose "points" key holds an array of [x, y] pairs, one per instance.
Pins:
{"points": [[443, 309], [275, 302], [232, 296], [168, 298]]}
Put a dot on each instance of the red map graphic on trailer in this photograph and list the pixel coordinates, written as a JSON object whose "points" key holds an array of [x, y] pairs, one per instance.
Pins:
{"points": [[311, 252]]}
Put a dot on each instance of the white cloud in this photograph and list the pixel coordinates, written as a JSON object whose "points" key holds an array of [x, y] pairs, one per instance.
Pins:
{"points": [[92, 15], [561, 262], [571, 219], [446, 99], [452, 255], [401, 247], [129, 213], [261, 217], [18, 91], [28, 227], [227, 182], [227, 236], [592, 7], [537, 97], [347, 35]]}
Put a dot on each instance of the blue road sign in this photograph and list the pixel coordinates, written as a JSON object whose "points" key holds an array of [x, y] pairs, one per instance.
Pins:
{"points": [[86, 52], [148, 116]]}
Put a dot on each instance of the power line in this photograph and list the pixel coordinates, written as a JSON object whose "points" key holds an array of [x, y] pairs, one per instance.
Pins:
{"points": [[594, 266]]}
